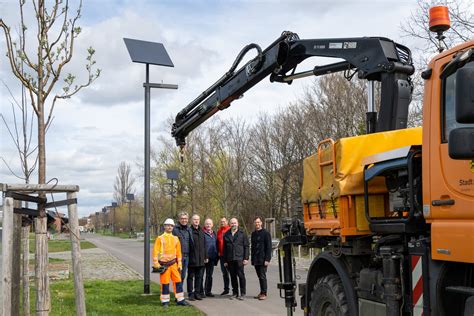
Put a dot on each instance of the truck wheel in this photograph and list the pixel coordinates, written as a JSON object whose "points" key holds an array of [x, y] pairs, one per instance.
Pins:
{"points": [[328, 297]]}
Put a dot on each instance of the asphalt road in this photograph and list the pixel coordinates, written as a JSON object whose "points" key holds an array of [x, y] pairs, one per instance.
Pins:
{"points": [[131, 253]]}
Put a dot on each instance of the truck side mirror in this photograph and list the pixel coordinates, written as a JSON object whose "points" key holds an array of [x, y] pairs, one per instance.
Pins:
{"points": [[461, 143], [465, 95]]}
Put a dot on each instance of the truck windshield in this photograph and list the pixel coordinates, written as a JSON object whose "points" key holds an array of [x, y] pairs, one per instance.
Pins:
{"points": [[449, 115]]}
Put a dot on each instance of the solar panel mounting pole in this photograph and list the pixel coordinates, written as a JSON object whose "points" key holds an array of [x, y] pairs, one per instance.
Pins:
{"points": [[148, 53]]}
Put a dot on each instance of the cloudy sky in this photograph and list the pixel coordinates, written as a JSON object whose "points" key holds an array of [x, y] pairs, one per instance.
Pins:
{"points": [[103, 125]]}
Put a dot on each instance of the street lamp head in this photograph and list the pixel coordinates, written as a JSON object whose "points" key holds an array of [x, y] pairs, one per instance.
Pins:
{"points": [[172, 174]]}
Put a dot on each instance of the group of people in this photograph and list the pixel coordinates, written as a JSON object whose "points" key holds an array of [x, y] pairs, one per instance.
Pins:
{"points": [[188, 252]]}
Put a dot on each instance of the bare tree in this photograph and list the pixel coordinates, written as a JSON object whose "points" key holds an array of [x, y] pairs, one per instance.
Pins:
{"points": [[21, 136], [39, 72], [462, 25], [237, 142], [335, 107], [263, 164], [56, 33], [416, 26], [124, 182]]}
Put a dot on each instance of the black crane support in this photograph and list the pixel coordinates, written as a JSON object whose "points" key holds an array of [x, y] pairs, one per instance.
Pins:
{"points": [[373, 58]]}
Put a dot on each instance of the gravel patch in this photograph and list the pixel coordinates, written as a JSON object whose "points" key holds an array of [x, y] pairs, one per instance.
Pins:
{"points": [[97, 264]]}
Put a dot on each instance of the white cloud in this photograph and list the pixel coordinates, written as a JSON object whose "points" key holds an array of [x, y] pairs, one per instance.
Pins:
{"points": [[102, 126]]}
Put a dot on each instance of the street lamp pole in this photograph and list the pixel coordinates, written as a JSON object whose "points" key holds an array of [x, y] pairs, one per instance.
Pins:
{"points": [[97, 221], [104, 222], [147, 182], [173, 175], [114, 205], [130, 198], [172, 195], [148, 53]]}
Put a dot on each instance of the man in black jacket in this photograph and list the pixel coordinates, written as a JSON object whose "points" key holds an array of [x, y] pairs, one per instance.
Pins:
{"points": [[236, 256], [197, 259], [261, 255]]}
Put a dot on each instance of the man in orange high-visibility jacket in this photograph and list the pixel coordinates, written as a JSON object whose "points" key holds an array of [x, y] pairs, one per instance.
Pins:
{"points": [[167, 257]]}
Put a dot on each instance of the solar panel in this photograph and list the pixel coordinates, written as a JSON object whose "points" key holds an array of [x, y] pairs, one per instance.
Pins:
{"points": [[148, 52]]}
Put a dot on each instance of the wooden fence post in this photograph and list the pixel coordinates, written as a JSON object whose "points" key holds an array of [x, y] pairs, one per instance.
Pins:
{"points": [[43, 297], [16, 261], [7, 255], [76, 256], [25, 231]]}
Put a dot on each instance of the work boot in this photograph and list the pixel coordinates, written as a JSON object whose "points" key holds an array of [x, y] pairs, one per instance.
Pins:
{"points": [[191, 297], [258, 296], [182, 303], [262, 297], [210, 295], [225, 292], [198, 297]]}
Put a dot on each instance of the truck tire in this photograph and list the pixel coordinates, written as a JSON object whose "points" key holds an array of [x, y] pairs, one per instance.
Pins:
{"points": [[328, 297]]}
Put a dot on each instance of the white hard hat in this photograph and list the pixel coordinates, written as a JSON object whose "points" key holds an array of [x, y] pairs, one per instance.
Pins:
{"points": [[169, 221]]}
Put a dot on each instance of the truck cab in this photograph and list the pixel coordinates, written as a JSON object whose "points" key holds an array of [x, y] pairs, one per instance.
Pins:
{"points": [[448, 190]]}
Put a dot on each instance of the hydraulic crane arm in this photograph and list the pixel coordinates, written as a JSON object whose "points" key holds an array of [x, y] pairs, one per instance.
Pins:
{"points": [[373, 58]]}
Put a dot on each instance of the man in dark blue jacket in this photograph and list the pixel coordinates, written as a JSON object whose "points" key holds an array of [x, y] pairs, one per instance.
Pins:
{"points": [[261, 242], [211, 248], [183, 232]]}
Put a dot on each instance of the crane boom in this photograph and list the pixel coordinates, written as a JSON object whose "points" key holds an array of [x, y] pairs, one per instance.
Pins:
{"points": [[373, 58]]}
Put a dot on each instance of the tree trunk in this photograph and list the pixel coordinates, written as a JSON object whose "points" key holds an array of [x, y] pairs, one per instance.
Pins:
{"points": [[41, 256]]}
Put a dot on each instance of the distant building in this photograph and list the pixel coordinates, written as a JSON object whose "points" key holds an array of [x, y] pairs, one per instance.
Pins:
{"points": [[56, 221], [83, 221]]}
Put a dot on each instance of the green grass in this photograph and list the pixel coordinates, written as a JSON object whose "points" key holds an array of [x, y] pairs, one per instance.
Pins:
{"points": [[50, 260], [124, 235], [111, 298], [61, 245]]}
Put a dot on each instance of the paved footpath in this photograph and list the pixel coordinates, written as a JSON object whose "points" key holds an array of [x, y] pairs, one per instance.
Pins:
{"points": [[130, 252]]}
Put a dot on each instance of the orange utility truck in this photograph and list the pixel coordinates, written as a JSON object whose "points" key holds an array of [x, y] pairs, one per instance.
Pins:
{"points": [[392, 211]]}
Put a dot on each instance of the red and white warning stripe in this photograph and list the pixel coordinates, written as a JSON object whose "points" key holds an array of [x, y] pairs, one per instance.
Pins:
{"points": [[417, 285]]}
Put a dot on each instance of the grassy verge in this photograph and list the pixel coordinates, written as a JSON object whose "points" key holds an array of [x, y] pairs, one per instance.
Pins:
{"points": [[50, 260], [61, 245], [124, 235], [111, 298]]}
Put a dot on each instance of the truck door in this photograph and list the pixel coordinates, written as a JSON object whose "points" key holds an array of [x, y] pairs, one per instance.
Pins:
{"points": [[451, 181]]}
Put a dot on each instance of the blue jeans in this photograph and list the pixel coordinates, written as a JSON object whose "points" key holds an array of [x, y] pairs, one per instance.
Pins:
{"points": [[209, 267], [185, 262]]}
